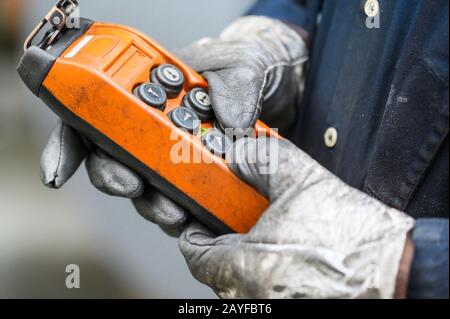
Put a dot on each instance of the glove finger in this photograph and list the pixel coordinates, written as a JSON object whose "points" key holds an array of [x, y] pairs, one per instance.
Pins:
{"points": [[159, 209], [111, 177], [62, 156], [245, 161], [236, 96], [207, 255], [235, 84], [197, 246], [207, 55], [172, 232], [268, 164]]}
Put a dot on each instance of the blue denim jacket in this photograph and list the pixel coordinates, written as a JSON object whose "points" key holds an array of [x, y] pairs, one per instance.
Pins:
{"points": [[385, 91]]}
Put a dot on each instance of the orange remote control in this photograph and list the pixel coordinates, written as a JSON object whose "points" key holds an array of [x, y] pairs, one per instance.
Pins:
{"points": [[130, 96]]}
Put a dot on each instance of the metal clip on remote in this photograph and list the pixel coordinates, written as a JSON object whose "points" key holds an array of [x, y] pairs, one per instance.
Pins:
{"points": [[57, 19]]}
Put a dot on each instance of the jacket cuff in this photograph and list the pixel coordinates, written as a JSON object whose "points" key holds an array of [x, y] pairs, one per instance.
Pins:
{"points": [[429, 273]]}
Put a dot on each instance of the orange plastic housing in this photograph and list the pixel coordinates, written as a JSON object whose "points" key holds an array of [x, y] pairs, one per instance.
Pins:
{"points": [[94, 79]]}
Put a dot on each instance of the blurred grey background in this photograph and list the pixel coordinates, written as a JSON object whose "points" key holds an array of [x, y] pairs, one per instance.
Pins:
{"points": [[42, 231]]}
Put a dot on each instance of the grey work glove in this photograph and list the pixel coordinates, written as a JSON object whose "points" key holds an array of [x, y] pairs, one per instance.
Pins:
{"points": [[65, 152], [256, 60], [319, 238], [256, 67]]}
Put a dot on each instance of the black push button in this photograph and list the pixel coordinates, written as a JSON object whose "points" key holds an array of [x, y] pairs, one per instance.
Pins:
{"points": [[216, 142], [199, 100], [186, 119], [152, 94], [169, 77], [218, 126]]}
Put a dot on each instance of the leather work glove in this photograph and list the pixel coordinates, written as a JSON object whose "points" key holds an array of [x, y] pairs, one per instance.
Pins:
{"points": [[254, 70], [257, 64], [319, 238]]}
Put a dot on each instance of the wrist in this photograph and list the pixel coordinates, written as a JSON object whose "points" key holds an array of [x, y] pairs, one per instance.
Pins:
{"points": [[404, 271]]}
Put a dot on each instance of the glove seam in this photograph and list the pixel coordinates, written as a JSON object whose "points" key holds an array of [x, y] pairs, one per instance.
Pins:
{"points": [[266, 73], [138, 190], [291, 36], [61, 147]]}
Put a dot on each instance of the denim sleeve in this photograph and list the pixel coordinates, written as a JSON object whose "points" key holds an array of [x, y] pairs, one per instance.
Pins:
{"points": [[429, 273], [302, 13]]}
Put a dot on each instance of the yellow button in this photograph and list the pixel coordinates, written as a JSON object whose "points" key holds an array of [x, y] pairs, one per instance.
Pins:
{"points": [[372, 8], [330, 137]]}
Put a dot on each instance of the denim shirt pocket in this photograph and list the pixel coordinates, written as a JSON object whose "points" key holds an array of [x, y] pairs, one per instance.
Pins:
{"points": [[415, 125]]}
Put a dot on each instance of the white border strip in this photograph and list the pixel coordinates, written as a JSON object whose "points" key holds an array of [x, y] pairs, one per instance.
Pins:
{"points": [[79, 46]]}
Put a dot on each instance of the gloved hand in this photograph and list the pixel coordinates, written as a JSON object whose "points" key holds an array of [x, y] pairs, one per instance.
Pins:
{"points": [[65, 152], [319, 238], [254, 68], [257, 61]]}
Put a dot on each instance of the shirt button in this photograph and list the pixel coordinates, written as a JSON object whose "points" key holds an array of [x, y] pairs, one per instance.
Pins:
{"points": [[372, 8], [330, 137]]}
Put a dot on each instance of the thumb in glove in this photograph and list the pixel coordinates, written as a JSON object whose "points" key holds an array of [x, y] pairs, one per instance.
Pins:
{"points": [[254, 68]]}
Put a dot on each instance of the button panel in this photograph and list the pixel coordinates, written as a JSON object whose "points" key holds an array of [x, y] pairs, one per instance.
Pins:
{"points": [[169, 77], [186, 119], [218, 126], [152, 94], [198, 99], [216, 142], [166, 82]]}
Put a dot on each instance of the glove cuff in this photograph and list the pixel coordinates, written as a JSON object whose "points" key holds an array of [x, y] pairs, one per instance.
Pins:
{"points": [[388, 257]]}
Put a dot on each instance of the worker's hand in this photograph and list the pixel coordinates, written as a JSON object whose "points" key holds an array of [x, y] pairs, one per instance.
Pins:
{"points": [[255, 60], [319, 238], [254, 68], [65, 152]]}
